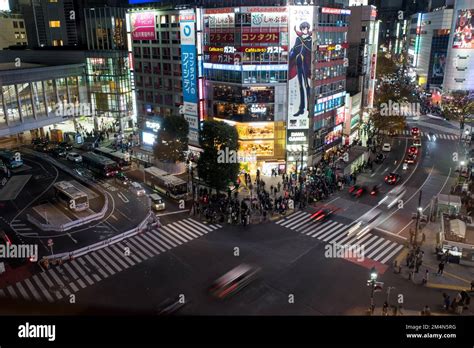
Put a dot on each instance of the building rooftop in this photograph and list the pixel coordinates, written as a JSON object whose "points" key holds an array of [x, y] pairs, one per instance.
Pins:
{"points": [[12, 66]]}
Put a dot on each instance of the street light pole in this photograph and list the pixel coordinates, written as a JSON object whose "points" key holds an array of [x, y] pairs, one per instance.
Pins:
{"points": [[373, 281]]}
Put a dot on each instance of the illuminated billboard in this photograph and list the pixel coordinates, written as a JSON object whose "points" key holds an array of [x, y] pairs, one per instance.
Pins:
{"points": [[464, 29], [299, 66], [4, 5], [143, 25]]}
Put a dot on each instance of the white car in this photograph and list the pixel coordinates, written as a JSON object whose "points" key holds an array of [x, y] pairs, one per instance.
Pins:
{"points": [[157, 202], [136, 188], [74, 157], [386, 147]]}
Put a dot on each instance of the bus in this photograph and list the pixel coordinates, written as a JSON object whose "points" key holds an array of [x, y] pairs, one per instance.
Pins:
{"points": [[166, 183], [11, 159], [100, 164], [122, 159], [71, 196]]}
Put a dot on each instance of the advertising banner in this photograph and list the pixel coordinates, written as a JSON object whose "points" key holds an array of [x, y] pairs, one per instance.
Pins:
{"points": [[272, 19], [261, 37], [143, 25], [299, 66], [187, 22], [464, 29]]}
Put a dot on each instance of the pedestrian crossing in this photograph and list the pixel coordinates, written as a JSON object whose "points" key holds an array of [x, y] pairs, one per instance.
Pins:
{"points": [[376, 248], [442, 136], [58, 282]]}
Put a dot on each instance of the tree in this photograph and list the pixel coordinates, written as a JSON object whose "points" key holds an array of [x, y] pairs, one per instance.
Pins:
{"points": [[457, 106], [388, 123], [214, 138], [172, 139], [385, 66]]}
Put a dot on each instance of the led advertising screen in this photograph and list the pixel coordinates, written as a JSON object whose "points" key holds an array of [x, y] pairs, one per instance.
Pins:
{"points": [[299, 66], [464, 29], [143, 25]]}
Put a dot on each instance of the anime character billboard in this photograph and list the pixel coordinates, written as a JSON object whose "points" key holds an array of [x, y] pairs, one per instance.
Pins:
{"points": [[464, 29], [299, 66]]}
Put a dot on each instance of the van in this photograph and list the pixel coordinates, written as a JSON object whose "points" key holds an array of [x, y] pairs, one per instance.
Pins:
{"points": [[157, 203], [136, 188]]}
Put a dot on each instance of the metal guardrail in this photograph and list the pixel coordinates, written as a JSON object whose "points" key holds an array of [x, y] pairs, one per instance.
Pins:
{"points": [[99, 245]]}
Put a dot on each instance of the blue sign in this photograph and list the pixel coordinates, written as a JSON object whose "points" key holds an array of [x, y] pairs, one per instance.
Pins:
{"points": [[132, 2], [189, 67]]}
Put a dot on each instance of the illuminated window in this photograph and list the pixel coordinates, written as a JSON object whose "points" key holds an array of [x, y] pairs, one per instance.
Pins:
{"points": [[53, 0], [55, 24], [57, 42]]}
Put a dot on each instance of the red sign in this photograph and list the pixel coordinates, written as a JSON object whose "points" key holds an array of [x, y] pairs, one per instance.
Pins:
{"points": [[329, 10], [260, 38], [143, 26]]}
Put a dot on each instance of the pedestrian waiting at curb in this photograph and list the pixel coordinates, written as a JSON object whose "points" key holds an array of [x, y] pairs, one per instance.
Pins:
{"points": [[440, 268], [425, 278]]}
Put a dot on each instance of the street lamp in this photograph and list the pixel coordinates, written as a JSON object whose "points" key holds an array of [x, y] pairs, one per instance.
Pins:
{"points": [[373, 281]]}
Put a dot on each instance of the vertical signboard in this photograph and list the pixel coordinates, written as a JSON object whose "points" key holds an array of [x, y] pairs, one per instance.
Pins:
{"points": [[187, 20], [464, 29], [299, 66], [143, 25]]}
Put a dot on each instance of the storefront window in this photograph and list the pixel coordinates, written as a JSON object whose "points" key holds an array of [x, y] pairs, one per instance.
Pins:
{"points": [[244, 112], [259, 148], [51, 98], [11, 104], [255, 131], [3, 118], [24, 91], [38, 98], [62, 89], [73, 89]]}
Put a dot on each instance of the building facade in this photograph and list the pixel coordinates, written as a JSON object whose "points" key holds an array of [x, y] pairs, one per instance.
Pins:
{"points": [[13, 30]]}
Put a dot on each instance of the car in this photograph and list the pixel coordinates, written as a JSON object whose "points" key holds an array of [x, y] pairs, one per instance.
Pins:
{"points": [[122, 180], [59, 152], [171, 306], [415, 132], [44, 147], [412, 150], [417, 142], [364, 223], [353, 188], [138, 189], [392, 178], [322, 214], [379, 158], [233, 281], [357, 191], [411, 158], [65, 145], [157, 203], [74, 157], [386, 147]]}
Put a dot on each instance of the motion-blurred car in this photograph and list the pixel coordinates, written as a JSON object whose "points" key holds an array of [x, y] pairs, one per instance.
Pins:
{"points": [[357, 191], [74, 157], [233, 281], [65, 145], [122, 180], [322, 214], [431, 136], [415, 132], [170, 306], [413, 150], [410, 159], [392, 178], [137, 189], [417, 142], [59, 152]]}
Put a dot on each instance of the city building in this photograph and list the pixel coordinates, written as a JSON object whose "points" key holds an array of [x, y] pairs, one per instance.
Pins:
{"points": [[459, 74], [13, 31], [429, 36], [34, 97]]}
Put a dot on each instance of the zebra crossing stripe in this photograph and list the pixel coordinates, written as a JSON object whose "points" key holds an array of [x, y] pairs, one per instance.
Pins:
{"points": [[196, 229], [359, 242], [341, 231], [51, 285], [279, 222], [170, 236], [377, 242], [162, 236], [185, 229], [59, 281], [322, 230], [296, 222], [131, 255], [154, 244], [101, 271], [209, 228], [304, 227], [378, 249], [89, 269], [163, 243], [38, 282], [392, 253], [74, 275], [22, 291], [32, 289], [134, 250], [302, 223], [150, 252], [334, 227], [386, 250], [177, 230], [340, 228], [115, 257], [121, 252], [2, 293], [345, 238], [170, 231], [88, 279], [109, 260], [105, 265], [73, 287], [12, 292], [295, 217]]}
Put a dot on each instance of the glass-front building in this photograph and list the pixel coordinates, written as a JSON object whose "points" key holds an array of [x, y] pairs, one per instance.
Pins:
{"points": [[30, 96]]}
